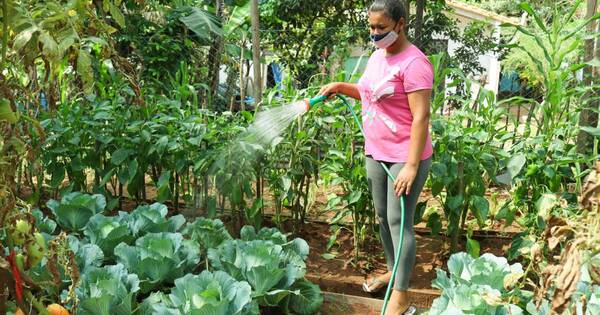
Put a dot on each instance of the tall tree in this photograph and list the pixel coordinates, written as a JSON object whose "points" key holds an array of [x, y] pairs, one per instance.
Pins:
{"points": [[256, 53]]}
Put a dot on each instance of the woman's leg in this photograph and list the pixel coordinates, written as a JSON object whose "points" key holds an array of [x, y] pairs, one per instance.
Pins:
{"points": [[394, 216], [394, 213], [378, 184], [377, 179]]}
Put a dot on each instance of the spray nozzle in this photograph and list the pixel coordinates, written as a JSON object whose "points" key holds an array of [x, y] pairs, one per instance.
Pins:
{"points": [[315, 100]]}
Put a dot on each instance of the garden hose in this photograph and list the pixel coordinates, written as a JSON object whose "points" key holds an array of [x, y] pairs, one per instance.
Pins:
{"points": [[318, 99]]}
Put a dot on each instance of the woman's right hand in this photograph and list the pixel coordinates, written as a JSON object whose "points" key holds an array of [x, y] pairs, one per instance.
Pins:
{"points": [[331, 89]]}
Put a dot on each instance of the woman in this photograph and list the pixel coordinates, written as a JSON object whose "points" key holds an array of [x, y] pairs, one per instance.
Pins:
{"points": [[395, 92]]}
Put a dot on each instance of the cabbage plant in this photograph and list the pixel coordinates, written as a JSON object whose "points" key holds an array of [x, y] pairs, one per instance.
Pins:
{"points": [[159, 258], [206, 293]]}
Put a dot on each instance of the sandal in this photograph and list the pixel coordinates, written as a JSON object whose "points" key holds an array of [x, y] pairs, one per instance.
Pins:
{"points": [[366, 286], [412, 310]]}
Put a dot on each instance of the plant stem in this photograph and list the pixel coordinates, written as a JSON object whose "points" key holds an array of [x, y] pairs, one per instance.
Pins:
{"points": [[5, 17]]}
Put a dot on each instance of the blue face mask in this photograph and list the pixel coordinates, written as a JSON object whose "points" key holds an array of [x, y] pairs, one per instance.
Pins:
{"points": [[384, 40], [378, 37]]}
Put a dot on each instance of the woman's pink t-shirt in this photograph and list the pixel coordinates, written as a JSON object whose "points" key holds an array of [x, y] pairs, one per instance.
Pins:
{"points": [[386, 116]]}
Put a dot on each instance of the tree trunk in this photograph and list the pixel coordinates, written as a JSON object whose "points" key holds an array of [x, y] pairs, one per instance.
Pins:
{"points": [[242, 76], [215, 62], [419, 22], [588, 116], [407, 8], [5, 17], [256, 53]]}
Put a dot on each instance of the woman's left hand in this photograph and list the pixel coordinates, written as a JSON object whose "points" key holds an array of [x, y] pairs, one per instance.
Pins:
{"points": [[405, 179]]}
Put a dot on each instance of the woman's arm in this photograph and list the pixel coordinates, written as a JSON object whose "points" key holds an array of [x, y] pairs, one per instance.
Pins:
{"points": [[418, 101], [348, 89]]}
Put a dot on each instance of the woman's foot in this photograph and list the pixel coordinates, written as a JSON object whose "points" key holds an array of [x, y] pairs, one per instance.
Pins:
{"points": [[375, 284], [398, 303]]}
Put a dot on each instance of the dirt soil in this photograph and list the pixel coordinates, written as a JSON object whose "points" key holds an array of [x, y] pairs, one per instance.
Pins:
{"points": [[432, 253]]}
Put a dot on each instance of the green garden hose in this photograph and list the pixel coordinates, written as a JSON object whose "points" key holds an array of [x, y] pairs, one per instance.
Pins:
{"points": [[321, 98]]}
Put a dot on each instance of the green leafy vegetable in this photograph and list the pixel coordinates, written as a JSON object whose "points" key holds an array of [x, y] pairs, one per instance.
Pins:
{"points": [[159, 257], [108, 232], [75, 209], [207, 293], [153, 219], [481, 285], [109, 290]]}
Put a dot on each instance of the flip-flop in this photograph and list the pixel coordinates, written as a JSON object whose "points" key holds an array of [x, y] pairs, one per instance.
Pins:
{"points": [[412, 310], [366, 286]]}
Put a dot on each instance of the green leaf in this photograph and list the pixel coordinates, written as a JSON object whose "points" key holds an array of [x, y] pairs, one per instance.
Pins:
{"points": [[515, 165], [328, 256], [527, 8], [481, 207], [158, 258], [308, 300], [545, 204], [263, 278], [419, 211], [591, 130], [434, 222], [116, 14], [57, 175], [6, 112], [108, 290], [50, 47], [120, 155], [473, 247], [108, 232], [209, 233], [75, 209], [239, 16], [23, 37], [202, 23], [207, 293], [84, 69]]}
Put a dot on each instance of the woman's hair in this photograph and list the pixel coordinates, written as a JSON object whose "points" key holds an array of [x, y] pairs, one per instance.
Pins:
{"points": [[394, 9]]}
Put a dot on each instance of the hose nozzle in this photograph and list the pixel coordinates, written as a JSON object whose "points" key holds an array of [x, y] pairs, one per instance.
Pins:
{"points": [[315, 100]]}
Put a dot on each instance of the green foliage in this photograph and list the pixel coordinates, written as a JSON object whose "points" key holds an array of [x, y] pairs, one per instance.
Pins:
{"points": [[152, 219], [107, 232], [158, 258], [549, 150], [469, 146], [206, 232], [304, 33], [75, 209], [275, 272], [484, 285], [206, 293], [108, 290]]}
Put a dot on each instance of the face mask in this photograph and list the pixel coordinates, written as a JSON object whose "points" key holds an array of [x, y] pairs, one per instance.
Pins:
{"points": [[384, 41]]}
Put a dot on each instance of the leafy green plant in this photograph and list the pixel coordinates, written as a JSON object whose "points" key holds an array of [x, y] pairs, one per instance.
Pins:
{"points": [[86, 255], [276, 275], [548, 143], [44, 223], [108, 290], [484, 285], [468, 146], [206, 293], [297, 245], [158, 258], [75, 209], [153, 219], [108, 232], [208, 233]]}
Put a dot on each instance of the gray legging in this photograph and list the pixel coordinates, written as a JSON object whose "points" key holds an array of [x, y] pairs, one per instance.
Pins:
{"points": [[387, 206]]}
